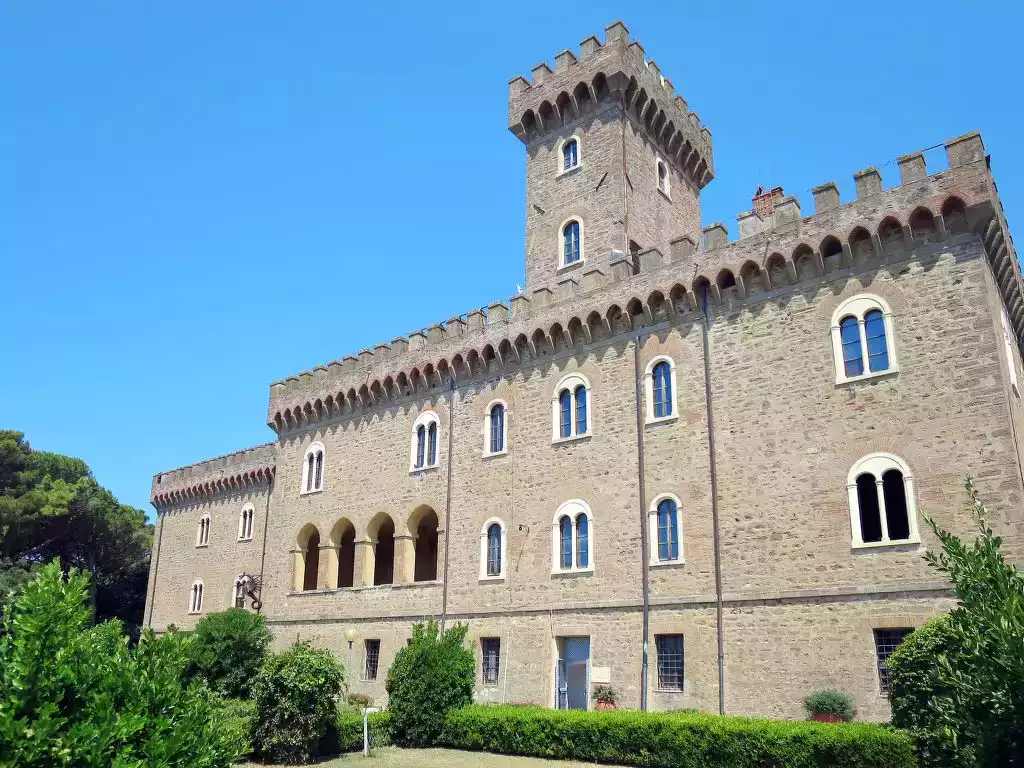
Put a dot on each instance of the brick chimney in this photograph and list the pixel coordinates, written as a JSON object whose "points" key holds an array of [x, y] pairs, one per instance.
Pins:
{"points": [[764, 202]]}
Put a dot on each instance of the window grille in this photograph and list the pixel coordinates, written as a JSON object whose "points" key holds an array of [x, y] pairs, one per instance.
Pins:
{"points": [[372, 658], [670, 662], [886, 641], [491, 647]]}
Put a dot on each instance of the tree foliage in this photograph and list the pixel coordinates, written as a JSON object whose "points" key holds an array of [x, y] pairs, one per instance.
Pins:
{"points": [[51, 507], [432, 675], [960, 682], [227, 650], [83, 696]]}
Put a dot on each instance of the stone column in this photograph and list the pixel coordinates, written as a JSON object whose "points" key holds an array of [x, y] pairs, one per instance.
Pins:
{"points": [[327, 573], [298, 568], [363, 576], [405, 557]]}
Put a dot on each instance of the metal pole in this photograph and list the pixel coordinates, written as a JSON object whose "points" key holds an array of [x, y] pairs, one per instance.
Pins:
{"points": [[448, 503], [644, 554]]}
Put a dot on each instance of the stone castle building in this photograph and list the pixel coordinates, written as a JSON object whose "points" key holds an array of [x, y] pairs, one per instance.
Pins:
{"points": [[675, 459]]}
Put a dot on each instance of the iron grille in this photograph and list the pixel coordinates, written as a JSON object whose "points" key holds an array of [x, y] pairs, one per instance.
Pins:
{"points": [[886, 641], [491, 647], [372, 658], [670, 662]]}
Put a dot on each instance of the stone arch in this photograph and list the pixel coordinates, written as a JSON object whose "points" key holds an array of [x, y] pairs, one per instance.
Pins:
{"points": [[725, 280], [657, 306], [861, 246], [831, 253], [581, 94], [752, 279], [423, 527], [564, 106], [803, 261], [341, 571], [701, 291], [677, 297], [775, 267], [596, 325], [379, 560], [307, 558], [922, 226], [600, 86], [890, 233], [954, 215]]}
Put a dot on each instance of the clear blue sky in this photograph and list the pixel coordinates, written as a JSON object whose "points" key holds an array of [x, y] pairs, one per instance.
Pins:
{"points": [[195, 198]]}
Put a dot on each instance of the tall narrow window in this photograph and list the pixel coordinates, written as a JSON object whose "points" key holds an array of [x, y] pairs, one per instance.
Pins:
{"points": [[570, 154], [582, 541], [245, 523], [670, 662], [421, 445], [313, 469], [883, 509], [494, 550], [663, 176], [432, 444], [570, 405], [565, 534], [490, 648], [874, 332], [195, 604], [571, 243], [870, 512], [862, 338], [668, 530], [565, 413], [581, 410], [203, 535], [886, 641], [372, 651], [853, 356], [497, 428], [309, 472], [423, 449], [318, 479], [662, 390]]}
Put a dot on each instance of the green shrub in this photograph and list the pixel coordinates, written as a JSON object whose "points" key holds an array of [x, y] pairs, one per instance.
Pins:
{"points": [[349, 731], [830, 702], [228, 648], [605, 693], [675, 739], [435, 673], [75, 695], [296, 696], [239, 717], [359, 700]]}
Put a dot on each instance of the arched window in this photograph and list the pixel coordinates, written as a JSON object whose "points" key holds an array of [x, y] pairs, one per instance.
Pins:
{"points": [[203, 534], [660, 386], [668, 530], [195, 600], [492, 549], [569, 408], [663, 179], [572, 242], [572, 538], [423, 523], [883, 507], [306, 567], [423, 453], [313, 469], [245, 522], [862, 338], [570, 154], [494, 428]]}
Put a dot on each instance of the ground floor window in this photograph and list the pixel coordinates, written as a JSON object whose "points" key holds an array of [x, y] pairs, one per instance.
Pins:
{"points": [[886, 641], [372, 658], [491, 651], [670, 662]]}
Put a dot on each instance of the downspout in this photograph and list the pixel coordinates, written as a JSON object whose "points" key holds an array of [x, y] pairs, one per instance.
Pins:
{"points": [[714, 504], [448, 503], [156, 566], [644, 554], [266, 525]]}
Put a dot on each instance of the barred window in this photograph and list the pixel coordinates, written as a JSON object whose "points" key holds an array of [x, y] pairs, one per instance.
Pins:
{"points": [[372, 658], [491, 653], [670, 662], [886, 641]]}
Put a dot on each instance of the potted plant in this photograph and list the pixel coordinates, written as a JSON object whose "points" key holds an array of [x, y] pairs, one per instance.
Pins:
{"points": [[604, 697], [829, 706]]}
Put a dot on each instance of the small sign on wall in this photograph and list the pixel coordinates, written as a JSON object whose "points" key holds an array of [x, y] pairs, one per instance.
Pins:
{"points": [[600, 675]]}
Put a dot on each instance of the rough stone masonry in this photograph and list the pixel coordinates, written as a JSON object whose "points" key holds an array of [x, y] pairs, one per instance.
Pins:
{"points": [[354, 536]]}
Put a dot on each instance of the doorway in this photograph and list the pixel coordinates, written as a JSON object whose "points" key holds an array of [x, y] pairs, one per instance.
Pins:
{"points": [[572, 673]]}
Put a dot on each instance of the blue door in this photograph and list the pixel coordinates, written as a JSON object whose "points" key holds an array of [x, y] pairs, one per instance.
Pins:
{"points": [[573, 674]]}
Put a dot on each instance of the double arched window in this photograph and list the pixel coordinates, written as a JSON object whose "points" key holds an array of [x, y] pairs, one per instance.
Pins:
{"points": [[424, 442], [313, 469], [203, 534], [572, 538], [570, 154], [245, 522], [862, 338], [492, 550], [195, 598], [665, 531], [494, 428], [570, 408], [571, 242], [883, 507], [660, 386], [661, 170]]}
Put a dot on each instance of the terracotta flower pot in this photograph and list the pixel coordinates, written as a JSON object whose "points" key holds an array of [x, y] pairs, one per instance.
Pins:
{"points": [[825, 717], [604, 706]]}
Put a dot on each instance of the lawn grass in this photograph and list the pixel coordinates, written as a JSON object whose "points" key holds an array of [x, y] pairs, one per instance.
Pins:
{"points": [[393, 757]]}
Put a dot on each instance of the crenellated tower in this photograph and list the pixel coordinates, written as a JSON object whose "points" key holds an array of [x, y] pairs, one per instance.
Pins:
{"points": [[615, 162]]}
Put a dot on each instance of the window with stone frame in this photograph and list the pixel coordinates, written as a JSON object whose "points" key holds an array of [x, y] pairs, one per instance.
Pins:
{"points": [[671, 669], [886, 641], [372, 654], [490, 650]]}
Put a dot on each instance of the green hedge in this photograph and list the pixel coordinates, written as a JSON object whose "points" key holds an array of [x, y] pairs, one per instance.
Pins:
{"points": [[676, 739], [349, 733]]}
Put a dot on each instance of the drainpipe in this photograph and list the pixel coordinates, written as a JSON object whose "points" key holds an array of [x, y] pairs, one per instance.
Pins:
{"points": [[266, 525], [644, 554], [156, 566], [448, 503], [714, 503]]}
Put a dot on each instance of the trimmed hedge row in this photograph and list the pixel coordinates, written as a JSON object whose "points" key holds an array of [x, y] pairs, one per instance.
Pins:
{"points": [[350, 732], [675, 739]]}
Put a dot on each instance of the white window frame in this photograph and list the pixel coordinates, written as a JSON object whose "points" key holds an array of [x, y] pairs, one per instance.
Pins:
{"points": [[203, 531], [487, 429], [571, 381], [1011, 360], [858, 306], [245, 522], [649, 389], [652, 532], [572, 508], [312, 450], [877, 464], [425, 419], [195, 597], [667, 189], [560, 244], [562, 171], [483, 550]]}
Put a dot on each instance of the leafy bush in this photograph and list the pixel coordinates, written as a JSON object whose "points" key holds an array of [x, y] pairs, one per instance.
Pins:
{"points": [[605, 693], [239, 717], [349, 731], [75, 695], [969, 699], [676, 740], [359, 700], [830, 702], [435, 673], [228, 648], [296, 696]]}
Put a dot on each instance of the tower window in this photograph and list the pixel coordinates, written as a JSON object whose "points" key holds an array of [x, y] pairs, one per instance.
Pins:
{"points": [[883, 507], [423, 451], [494, 429], [571, 243], [570, 154], [492, 550], [663, 181], [862, 338], [313, 469], [572, 538], [569, 408]]}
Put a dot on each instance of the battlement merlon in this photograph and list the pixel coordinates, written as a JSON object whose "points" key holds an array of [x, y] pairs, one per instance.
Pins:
{"points": [[616, 70], [248, 467]]}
